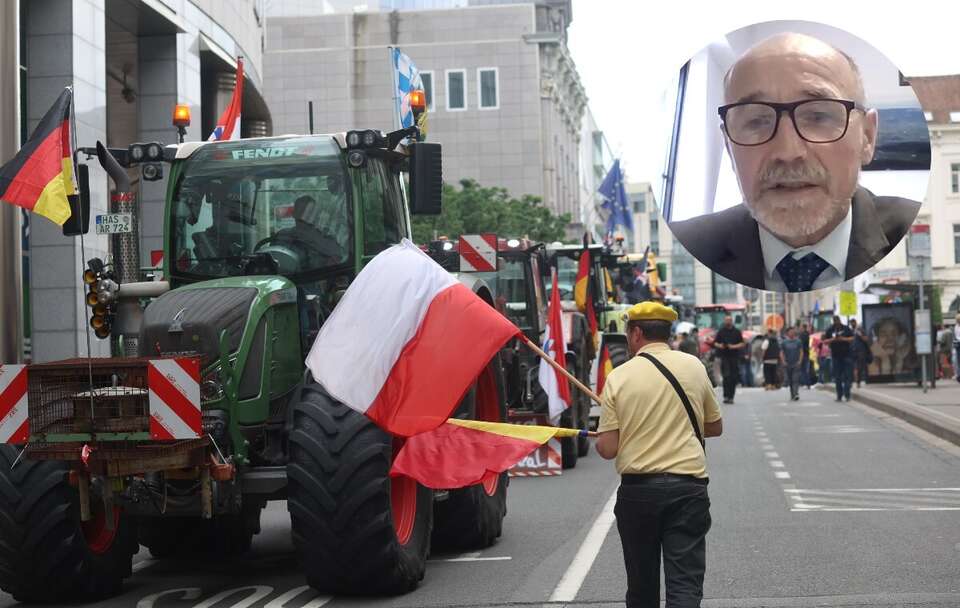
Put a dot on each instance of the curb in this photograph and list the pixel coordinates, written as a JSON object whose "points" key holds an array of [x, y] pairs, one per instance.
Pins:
{"points": [[934, 423]]}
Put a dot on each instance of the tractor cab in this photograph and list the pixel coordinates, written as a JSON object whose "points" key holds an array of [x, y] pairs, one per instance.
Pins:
{"points": [[310, 209]]}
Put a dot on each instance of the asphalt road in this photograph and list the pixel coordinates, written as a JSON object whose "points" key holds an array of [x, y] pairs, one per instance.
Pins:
{"points": [[814, 503]]}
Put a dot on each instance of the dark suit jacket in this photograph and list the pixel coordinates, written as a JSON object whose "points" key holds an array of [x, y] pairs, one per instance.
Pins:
{"points": [[728, 242]]}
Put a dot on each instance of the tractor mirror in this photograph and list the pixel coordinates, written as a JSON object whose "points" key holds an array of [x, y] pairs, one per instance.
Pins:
{"points": [[426, 178], [79, 221]]}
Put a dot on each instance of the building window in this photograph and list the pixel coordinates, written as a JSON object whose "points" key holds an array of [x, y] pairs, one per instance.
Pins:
{"points": [[427, 79], [724, 290], [655, 235], [639, 202], [488, 88], [456, 89], [955, 178], [956, 243]]}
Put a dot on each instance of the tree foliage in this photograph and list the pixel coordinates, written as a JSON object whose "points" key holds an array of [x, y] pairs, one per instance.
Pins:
{"points": [[473, 209]]}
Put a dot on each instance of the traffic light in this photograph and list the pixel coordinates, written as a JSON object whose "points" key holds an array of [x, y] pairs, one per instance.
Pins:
{"points": [[102, 291]]}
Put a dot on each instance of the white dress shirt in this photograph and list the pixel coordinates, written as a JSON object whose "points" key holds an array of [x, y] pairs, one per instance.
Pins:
{"points": [[832, 248]]}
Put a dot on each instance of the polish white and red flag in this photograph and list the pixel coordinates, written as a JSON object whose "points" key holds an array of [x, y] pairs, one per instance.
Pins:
{"points": [[406, 341], [228, 127], [554, 384]]}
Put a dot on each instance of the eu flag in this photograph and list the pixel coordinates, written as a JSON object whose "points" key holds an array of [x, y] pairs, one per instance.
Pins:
{"points": [[615, 199]]}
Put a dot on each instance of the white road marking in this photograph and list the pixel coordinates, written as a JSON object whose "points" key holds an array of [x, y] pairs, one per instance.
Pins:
{"points": [[572, 580], [474, 559], [760, 434], [817, 508], [777, 464], [145, 563], [189, 593], [781, 475], [315, 600], [771, 455], [840, 429], [259, 592]]}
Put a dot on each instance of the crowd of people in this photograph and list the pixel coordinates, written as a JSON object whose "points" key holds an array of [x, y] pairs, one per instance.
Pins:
{"points": [[793, 357]]}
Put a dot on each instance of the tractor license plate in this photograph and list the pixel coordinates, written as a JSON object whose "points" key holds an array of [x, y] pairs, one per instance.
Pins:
{"points": [[114, 223]]}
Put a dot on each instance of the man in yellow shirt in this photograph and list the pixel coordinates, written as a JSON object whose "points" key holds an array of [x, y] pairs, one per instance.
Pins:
{"points": [[656, 437]]}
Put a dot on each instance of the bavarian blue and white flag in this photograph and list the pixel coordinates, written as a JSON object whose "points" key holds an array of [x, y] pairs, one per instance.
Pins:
{"points": [[406, 78]]}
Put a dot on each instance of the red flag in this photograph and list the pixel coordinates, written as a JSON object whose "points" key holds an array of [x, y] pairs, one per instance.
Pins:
{"points": [[462, 453], [228, 127], [406, 341]]}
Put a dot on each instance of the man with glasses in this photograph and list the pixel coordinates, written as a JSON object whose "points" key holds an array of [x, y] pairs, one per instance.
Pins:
{"points": [[797, 130]]}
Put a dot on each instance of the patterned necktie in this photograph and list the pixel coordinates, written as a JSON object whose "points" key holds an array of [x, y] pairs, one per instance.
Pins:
{"points": [[799, 275]]}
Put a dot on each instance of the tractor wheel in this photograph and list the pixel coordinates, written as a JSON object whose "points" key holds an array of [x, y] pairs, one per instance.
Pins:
{"points": [[568, 445], [356, 530], [472, 517], [46, 553]]}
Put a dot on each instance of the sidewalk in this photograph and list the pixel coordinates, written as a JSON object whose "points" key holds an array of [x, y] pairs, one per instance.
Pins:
{"points": [[937, 411]]}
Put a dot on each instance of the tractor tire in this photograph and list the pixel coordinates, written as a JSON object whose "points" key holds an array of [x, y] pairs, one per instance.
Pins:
{"points": [[46, 553], [357, 531], [569, 453], [472, 517]]}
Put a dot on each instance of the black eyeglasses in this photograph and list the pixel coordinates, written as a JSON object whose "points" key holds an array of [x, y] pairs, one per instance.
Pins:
{"points": [[818, 121]]}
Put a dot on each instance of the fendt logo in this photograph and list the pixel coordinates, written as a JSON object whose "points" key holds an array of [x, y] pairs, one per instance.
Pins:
{"points": [[254, 153]]}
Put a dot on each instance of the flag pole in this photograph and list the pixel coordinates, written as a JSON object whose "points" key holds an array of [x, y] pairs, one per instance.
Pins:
{"points": [[560, 368]]}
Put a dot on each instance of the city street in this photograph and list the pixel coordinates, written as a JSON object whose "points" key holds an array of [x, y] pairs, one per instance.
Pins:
{"points": [[814, 503]]}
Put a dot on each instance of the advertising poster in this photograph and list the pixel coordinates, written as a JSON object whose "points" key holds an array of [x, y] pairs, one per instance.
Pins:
{"points": [[890, 330]]}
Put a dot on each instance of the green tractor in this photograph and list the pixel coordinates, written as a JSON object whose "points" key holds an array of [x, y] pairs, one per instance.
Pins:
{"points": [[261, 239]]}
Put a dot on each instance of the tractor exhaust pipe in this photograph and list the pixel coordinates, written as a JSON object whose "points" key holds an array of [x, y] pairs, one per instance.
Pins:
{"points": [[125, 249]]}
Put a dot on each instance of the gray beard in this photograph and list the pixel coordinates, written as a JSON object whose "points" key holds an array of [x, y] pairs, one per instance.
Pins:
{"points": [[797, 225]]}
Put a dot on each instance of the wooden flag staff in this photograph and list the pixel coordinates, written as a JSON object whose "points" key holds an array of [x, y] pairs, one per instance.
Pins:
{"points": [[560, 368]]}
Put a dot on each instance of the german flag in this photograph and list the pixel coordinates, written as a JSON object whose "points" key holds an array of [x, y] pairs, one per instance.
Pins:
{"points": [[40, 177], [582, 294], [604, 367]]}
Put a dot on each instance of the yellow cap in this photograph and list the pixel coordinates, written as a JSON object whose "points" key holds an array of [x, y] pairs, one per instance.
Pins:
{"points": [[651, 311]]}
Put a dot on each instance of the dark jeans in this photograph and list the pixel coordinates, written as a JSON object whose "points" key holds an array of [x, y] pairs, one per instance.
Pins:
{"points": [[730, 369], [842, 373], [792, 378], [770, 374], [860, 368], [668, 515]]}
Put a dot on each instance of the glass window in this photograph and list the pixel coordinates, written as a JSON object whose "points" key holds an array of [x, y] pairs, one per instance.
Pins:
{"points": [[955, 178], [639, 202], [456, 90], [956, 243], [286, 199], [383, 220], [427, 79], [488, 89], [724, 290]]}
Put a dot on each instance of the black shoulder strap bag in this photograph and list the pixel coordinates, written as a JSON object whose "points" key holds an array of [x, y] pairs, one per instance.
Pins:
{"points": [[683, 396]]}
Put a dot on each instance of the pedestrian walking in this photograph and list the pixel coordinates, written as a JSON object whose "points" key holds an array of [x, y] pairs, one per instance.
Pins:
{"points": [[860, 353], [806, 366], [956, 347], [657, 409], [791, 357], [728, 344], [771, 361], [839, 337], [688, 344], [823, 357]]}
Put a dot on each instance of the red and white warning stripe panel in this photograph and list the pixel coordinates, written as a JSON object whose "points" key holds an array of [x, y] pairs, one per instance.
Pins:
{"points": [[542, 462], [174, 389], [14, 426], [478, 252]]}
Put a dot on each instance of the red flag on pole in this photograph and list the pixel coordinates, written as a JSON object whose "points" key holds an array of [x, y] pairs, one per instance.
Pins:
{"points": [[228, 127]]}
